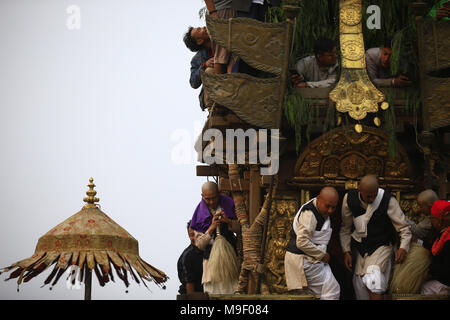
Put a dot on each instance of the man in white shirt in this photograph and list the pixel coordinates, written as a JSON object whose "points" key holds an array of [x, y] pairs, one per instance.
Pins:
{"points": [[377, 217], [378, 62], [320, 70], [306, 260]]}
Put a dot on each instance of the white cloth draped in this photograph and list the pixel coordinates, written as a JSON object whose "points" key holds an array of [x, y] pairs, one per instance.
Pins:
{"points": [[321, 280], [361, 221], [319, 277]]}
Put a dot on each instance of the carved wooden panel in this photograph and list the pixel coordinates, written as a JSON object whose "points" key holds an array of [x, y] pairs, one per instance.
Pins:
{"points": [[436, 45], [282, 214], [254, 100], [435, 61], [437, 99], [261, 45], [346, 154]]}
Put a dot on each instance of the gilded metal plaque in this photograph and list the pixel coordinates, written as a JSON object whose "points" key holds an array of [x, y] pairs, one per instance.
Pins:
{"points": [[354, 93]]}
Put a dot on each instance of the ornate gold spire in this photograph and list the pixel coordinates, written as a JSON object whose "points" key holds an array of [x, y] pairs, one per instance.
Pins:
{"points": [[91, 199], [355, 93]]}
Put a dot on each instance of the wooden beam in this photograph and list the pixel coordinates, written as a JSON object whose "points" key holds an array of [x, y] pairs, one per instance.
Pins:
{"points": [[265, 181], [255, 193], [254, 208], [207, 171], [224, 185]]}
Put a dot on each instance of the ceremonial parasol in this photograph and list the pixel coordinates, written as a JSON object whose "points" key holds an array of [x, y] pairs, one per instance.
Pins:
{"points": [[89, 240]]}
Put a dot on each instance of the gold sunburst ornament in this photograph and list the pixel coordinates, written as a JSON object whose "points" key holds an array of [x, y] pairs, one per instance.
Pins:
{"points": [[354, 94]]}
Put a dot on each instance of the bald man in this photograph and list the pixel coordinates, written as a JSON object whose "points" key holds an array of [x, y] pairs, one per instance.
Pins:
{"points": [[306, 260], [423, 231], [214, 211], [377, 217]]}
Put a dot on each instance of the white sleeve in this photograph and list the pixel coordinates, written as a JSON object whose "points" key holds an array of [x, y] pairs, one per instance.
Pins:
{"points": [[305, 231], [400, 223], [347, 221]]}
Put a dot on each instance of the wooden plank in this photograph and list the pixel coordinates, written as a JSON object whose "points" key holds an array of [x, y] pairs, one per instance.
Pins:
{"points": [[322, 93], [254, 208], [265, 180], [255, 193], [314, 92], [206, 171], [224, 185]]}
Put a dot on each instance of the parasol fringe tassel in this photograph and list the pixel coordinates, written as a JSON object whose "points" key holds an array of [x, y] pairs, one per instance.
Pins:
{"points": [[134, 263], [19, 281], [14, 274], [121, 274], [148, 274], [118, 271], [110, 271], [125, 277], [157, 275], [115, 258], [51, 276], [32, 272], [100, 262], [152, 267], [81, 272], [58, 275], [143, 281], [132, 272], [99, 276], [104, 273], [30, 275], [81, 260]]}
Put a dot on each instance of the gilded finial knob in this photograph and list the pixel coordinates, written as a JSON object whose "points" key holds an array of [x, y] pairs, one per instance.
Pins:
{"points": [[91, 199]]}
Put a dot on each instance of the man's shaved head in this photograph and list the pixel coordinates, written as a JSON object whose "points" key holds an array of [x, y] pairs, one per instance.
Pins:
{"points": [[368, 188], [425, 200], [327, 201], [210, 194], [329, 193], [369, 182], [427, 196], [210, 186]]}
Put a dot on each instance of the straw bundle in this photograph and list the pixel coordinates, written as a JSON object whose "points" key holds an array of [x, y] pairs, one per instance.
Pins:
{"points": [[223, 263]]}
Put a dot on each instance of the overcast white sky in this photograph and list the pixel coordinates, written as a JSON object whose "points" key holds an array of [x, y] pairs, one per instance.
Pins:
{"points": [[109, 101]]}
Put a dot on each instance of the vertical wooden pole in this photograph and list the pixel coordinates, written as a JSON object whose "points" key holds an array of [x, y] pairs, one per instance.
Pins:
{"points": [[254, 193], [87, 283], [254, 208], [427, 136], [443, 184]]}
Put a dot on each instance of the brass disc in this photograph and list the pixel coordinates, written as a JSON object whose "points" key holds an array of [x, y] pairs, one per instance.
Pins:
{"points": [[358, 128], [377, 121], [384, 105]]}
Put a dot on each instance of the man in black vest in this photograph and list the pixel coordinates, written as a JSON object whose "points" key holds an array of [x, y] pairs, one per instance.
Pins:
{"points": [[377, 217], [306, 260]]}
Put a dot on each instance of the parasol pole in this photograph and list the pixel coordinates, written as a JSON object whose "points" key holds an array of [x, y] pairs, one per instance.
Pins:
{"points": [[87, 283]]}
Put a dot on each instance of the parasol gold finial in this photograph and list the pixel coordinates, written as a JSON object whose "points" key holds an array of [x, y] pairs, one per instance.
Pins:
{"points": [[91, 199]]}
